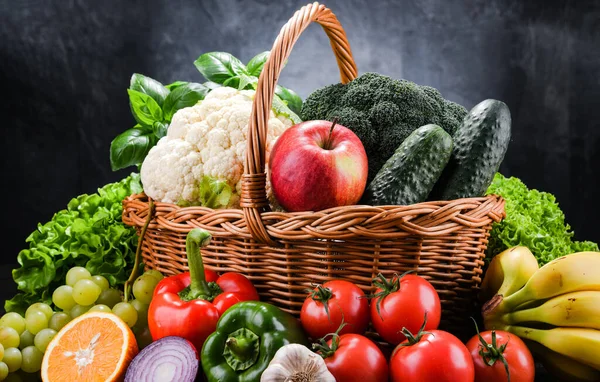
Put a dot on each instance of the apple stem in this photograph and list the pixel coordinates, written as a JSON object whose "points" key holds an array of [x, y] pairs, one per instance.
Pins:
{"points": [[328, 141]]}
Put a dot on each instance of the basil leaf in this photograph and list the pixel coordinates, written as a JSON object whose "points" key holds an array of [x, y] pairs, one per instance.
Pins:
{"points": [[183, 96], [293, 100], [130, 148], [148, 86], [255, 65], [175, 85], [219, 66], [211, 85], [160, 129], [144, 108]]}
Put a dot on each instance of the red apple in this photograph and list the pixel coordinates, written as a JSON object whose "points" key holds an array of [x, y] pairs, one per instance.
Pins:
{"points": [[317, 165]]}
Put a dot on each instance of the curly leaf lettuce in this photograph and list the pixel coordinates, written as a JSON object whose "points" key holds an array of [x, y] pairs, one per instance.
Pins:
{"points": [[88, 233], [533, 219]]}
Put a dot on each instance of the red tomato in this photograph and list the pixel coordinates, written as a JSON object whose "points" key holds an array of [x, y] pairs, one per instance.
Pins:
{"points": [[356, 358], [520, 362], [403, 303], [327, 306], [437, 356]]}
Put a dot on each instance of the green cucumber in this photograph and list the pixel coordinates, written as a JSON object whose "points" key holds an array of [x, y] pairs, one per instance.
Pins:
{"points": [[480, 144], [409, 175]]}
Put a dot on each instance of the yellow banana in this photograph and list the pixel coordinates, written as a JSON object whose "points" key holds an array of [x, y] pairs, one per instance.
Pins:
{"points": [[580, 344], [508, 272], [563, 367], [575, 272], [575, 309]]}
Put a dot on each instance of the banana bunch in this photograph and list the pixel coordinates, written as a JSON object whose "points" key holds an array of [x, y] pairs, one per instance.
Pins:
{"points": [[555, 308]]}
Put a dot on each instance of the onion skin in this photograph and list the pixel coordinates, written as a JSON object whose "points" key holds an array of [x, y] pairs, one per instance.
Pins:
{"points": [[170, 359]]}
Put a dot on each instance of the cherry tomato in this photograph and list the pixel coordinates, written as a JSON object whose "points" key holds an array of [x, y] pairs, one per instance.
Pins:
{"points": [[328, 305], [434, 356], [355, 358], [402, 303], [492, 347]]}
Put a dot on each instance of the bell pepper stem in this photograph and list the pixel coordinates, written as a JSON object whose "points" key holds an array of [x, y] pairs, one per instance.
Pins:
{"points": [[239, 346], [241, 349], [196, 239]]}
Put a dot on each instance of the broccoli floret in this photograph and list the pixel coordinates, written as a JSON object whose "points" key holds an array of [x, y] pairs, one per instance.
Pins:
{"points": [[323, 101], [382, 112]]}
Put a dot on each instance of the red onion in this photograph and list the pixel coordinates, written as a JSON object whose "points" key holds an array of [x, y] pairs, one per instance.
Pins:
{"points": [[168, 359]]}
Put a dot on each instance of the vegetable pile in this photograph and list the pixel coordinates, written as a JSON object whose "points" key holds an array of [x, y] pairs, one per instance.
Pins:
{"points": [[382, 112], [84, 309], [533, 219]]}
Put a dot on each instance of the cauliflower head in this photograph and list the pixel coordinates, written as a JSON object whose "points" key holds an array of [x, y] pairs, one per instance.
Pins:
{"points": [[207, 139]]}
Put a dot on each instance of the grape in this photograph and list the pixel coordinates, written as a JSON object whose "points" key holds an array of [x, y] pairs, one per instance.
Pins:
{"points": [[1, 351], [58, 321], [14, 320], [126, 312], [86, 292], [35, 321], [42, 339], [77, 273], [154, 273], [63, 297], [143, 288], [12, 359], [78, 310], [101, 281], [143, 338], [142, 311], [109, 297], [44, 308], [9, 338], [100, 308], [32, 359], [26, 339], [3, 371]]}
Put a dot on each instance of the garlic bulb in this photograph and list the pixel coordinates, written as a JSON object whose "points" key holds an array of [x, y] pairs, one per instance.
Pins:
{"points": [[296, 363]]}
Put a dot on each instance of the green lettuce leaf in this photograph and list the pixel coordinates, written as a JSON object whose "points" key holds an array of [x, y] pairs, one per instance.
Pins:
{"points": [[533, 219], [89, 233]]}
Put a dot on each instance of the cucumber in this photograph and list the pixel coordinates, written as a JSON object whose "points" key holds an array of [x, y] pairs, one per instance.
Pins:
{"points": [[480, 144], [411, 172]]}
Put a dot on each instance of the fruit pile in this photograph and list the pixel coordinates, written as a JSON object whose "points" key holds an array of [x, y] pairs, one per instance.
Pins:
{"points": [[24, 339]]}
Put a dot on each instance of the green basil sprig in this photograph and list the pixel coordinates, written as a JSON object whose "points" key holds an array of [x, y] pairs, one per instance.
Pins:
{"points": [[224, 69], [152, 105]]}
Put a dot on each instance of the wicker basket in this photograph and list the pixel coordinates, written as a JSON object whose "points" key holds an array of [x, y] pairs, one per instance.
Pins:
{"points": [[284, 253]]}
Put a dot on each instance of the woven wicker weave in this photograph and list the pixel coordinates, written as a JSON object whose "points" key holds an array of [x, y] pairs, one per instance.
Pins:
{"points": [[284, 253]]}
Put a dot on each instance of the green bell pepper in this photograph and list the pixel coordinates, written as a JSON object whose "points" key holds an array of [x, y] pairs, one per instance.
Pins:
{"points": [[246, 339]]}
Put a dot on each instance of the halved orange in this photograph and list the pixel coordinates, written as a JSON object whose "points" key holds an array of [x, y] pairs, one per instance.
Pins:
{"points": [[94, 347]]}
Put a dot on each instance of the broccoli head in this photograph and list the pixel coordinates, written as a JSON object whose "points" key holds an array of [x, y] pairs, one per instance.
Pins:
{"points": [[382, 112]]}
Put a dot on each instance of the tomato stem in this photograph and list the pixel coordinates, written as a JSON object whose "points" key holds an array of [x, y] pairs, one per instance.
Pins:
{"points": [[322, 295], [323, 348], [491, 352], [387, 287], [413, 339]]}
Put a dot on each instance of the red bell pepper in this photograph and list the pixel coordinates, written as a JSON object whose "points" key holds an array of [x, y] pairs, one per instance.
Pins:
{"points": [[189, 305]]}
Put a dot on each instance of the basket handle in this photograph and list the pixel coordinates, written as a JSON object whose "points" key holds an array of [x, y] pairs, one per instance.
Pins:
{"points": [[253, 199]]}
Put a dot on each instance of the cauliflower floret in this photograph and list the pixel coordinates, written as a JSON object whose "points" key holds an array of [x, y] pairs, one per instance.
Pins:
{"points": [[207, 139]]}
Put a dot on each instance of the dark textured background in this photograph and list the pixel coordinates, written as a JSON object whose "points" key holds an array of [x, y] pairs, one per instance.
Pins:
{"points": [[65, 65]]}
